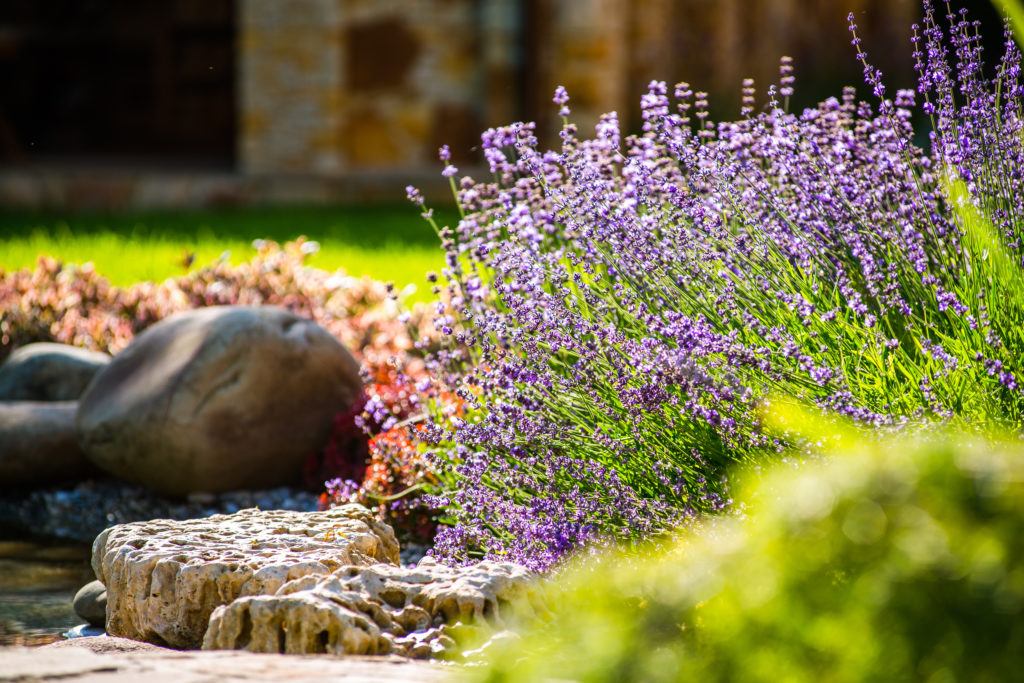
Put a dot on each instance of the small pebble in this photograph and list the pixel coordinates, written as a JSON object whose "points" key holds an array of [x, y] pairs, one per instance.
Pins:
{"points": [[90, 603], [411, 554]]}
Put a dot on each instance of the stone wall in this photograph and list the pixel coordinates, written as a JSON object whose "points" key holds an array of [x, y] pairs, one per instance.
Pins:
{"points": [[349, 100], [348, 86], [335, 86], [289, 78]]}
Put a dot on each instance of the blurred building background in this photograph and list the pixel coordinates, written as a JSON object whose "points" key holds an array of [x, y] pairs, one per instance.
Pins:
{"points": [[128, 103]]}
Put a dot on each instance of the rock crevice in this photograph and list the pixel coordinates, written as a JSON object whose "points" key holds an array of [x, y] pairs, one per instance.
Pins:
{"points": [[378, 609]]}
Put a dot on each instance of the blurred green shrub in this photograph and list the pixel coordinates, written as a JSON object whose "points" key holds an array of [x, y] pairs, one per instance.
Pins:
{"points": [[890, 560]]}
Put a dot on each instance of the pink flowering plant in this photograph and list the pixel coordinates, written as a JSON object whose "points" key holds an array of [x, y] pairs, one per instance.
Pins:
{"points": [[370, 457], [619, 307], [73, 304]]}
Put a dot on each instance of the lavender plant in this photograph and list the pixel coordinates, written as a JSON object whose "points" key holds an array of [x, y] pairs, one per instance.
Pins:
{"points": [[618, 307]]}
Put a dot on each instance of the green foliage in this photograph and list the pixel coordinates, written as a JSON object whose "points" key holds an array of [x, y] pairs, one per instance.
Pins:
{"points": [[891, 559], [1014, 10]]}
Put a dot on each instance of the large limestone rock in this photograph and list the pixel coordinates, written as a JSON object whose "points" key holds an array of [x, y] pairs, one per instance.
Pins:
{"points": [[39, 445], [49, 372], [374, 610], [217, 399], [164, 578]]}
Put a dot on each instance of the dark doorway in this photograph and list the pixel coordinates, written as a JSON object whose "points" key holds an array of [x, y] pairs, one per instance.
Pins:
{"points": [[117, 80]]}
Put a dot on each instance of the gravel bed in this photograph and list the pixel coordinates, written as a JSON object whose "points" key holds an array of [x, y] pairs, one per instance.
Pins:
{"points": [[82, 512]]}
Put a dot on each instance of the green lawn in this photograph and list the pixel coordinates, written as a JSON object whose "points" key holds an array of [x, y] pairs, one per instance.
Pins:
{"points": [[385, 242]]}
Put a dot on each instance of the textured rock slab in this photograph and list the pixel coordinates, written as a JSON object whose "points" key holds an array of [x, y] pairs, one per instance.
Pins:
{"points": [[105, 644], [39, 445], [217, 399], [164, 578], [73, 664], [49, 372], [374, 610]]}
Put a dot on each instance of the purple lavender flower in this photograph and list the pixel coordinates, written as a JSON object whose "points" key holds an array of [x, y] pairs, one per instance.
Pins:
{"points": [[618, 308], [414, 195], [561, 98]]}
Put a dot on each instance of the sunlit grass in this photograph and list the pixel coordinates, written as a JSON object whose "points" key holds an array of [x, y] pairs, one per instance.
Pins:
{"points": [[124, 260], [386, 243]]}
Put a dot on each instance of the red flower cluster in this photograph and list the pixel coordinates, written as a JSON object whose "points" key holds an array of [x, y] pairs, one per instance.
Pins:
{"points": [[395, 471], [346, 455]]}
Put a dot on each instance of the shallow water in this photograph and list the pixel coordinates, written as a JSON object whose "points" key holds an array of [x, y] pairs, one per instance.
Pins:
{"points": [[38, 580]]}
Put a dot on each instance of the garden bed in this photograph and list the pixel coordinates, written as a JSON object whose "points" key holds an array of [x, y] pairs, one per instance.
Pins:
{"points": [[622, 328]]}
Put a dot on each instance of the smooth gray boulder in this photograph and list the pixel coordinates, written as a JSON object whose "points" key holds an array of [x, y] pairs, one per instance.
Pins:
{"points": [[217, 399], [90, 603], [49, 372], [39, 444]]}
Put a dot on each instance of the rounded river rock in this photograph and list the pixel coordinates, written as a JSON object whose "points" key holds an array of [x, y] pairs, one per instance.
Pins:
{"points": [[217, 399], [46, 371], [38, 445], [90, 603]]}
